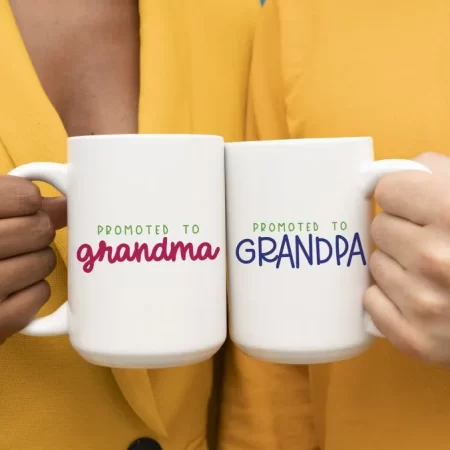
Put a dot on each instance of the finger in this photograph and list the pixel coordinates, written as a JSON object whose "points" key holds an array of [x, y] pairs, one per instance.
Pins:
{"points": [[397, 237], [56, 208], [432, 259], [18, 197], [21, 235], [391, 278], [19, 309], [438, 164], [393, 325], [419, 197], [420, 301], [23, 271], [423, 251]]}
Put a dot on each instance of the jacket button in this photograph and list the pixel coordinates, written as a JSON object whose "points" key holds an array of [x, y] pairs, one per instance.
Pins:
{"points": [[144, 444]]}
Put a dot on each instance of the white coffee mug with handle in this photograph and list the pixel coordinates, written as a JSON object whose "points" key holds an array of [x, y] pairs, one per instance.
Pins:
{"points": [[298, 229], [146, 259]]}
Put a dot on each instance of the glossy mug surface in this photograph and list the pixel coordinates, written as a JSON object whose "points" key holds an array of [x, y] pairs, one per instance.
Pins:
{"points": [[146, 225], [298, 219]]}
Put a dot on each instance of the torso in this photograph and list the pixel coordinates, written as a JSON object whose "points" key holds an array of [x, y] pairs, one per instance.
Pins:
{"points": [[89, 70], [377, 68], [86, 55]]}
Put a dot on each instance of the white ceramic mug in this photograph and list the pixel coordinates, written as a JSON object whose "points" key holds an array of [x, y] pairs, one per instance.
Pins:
{"points": [[147, 270], [298, 225]]}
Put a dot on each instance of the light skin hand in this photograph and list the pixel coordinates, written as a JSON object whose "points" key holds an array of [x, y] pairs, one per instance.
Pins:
{"points": [[410, 300]]}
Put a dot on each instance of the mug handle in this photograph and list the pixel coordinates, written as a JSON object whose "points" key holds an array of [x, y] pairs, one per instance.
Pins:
{"points": [[372, 172], [55, 174]]}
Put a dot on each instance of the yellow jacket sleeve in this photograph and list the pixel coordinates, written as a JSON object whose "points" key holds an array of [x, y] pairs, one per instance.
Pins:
{"points": [[264, 405]]}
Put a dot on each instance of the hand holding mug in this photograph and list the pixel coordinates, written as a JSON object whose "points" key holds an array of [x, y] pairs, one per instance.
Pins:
{"points": [[27, 228], [146, 249], [298, 217], [410, 302]]}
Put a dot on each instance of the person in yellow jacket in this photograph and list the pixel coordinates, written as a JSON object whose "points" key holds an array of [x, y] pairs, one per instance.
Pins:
{"points": [[377, 68], [101, 67], [326, 68]]}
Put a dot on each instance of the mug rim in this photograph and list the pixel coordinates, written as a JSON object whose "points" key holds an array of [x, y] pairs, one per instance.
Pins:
{"points": [[169, 136], [296, 141]]}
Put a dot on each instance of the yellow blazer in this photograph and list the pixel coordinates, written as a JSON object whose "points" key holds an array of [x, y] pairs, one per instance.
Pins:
{"points": [[346, 68], [194, 70]]}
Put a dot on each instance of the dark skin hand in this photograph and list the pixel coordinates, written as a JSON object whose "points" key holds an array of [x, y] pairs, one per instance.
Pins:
{"points": [[27, 228]]}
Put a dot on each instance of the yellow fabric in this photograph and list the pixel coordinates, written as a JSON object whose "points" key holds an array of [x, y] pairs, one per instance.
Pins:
{"points": [[326, 68], [194, 71]]}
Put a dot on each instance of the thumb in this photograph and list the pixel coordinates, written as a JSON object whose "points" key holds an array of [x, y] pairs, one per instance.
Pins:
{"points": [[56, 208], [438, 164]]}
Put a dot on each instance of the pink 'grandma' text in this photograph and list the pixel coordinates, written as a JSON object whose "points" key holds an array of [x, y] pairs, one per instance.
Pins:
{"points": [[137, 252]]}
